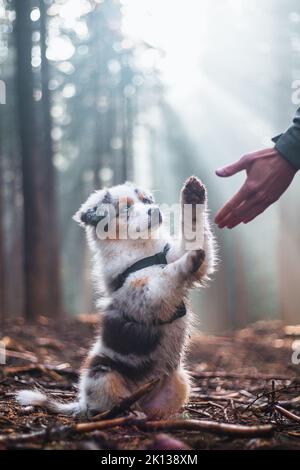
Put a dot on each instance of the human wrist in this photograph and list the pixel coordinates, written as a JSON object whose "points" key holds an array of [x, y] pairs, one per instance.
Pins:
{"points": [[289, 149]]}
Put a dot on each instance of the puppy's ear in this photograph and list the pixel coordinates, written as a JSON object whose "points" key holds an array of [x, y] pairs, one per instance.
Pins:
{"points": [[77, 217], [93, 210], [88, 217], [85, 216]]}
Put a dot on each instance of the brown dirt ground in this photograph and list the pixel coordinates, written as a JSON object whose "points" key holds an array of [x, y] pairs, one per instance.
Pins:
{"points": [[230, 373]]}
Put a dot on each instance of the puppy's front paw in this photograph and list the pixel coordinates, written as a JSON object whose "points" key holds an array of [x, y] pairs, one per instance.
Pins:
{"points": [[193, 191], [195, 259]]}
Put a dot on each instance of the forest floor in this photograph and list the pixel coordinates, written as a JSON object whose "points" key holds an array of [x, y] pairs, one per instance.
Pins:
{"points": [[245, 394]]}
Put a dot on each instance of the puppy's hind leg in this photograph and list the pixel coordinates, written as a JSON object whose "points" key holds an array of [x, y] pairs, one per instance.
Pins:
{"points": [[100, 387], [169, 397]]}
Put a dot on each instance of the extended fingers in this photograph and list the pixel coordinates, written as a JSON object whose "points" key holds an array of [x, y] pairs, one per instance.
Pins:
{"points": [[232, 205], [263, 186], [236, 216], [249, 211], [257, 200], [259, 209]]}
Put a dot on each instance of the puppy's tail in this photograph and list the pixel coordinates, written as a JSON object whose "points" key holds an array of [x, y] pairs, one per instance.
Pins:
{"points": [[36, 398]]}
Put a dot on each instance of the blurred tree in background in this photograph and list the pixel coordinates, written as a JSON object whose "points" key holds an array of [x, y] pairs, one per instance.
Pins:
{"points": [[10, 172], [41, 259]]}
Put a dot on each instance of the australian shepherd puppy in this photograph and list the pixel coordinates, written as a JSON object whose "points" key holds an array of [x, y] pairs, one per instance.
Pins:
{"points": [[145, 276]]}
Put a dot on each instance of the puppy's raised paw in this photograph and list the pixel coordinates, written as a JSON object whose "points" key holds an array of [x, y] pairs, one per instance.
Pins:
{"points": [[193, 191]]}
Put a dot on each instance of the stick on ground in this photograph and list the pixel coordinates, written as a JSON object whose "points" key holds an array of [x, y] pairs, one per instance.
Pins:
{"points": [[287, 414], [127, 402], [63, 431], [213, 427]]}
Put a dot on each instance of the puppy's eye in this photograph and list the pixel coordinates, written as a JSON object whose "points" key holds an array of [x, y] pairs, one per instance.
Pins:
{"points": [[147, 200]]}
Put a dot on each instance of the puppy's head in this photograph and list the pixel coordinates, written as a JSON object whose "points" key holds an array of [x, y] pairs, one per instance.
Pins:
{"points": [[123, 211]]}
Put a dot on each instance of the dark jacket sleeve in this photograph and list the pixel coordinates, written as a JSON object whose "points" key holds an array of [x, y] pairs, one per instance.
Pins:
{"points": [[288, 143]]}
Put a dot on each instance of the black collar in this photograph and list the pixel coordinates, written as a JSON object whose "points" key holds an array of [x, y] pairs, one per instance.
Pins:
{"points": [[158, 259]]}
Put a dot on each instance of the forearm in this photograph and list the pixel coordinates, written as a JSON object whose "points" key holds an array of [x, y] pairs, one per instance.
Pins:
{"points": [[288, 143]]}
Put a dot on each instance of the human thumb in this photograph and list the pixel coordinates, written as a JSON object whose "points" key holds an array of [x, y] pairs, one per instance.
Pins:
{"points": [[232, 169]]}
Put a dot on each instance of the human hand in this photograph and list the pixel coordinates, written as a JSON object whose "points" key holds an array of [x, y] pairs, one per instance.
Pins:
{"points": [[268, 176]]}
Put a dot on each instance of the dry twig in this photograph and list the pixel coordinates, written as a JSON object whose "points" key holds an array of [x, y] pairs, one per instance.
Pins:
{"points": [[287, 414], [232, 430], [238, 376], [127, 402], [272, 394], [63, 431], [51, 371], [105, 424]]}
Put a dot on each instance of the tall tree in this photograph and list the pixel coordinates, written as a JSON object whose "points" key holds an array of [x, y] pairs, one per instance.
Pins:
{"points": [[49, 185], [2, 255], [37, 197]]}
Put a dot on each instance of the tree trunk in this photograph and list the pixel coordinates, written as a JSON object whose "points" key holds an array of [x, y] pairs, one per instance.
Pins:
{"points": [[52, 233], [2, 264], [35, 279]]}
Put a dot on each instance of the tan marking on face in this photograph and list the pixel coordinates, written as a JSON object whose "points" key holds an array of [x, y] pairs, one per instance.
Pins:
{"points": [[141, 196], [126, 201], [141, 282]]}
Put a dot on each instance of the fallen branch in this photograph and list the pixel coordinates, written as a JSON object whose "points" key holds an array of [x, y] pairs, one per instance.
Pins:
{"points": [[287, 414], [34, 368], [33, 436], [127, 402], [293, 403], [63, 431], [272, 393], [26, 356], [198, 412], [226, 394], [176, 425], [21, 369], [105, 424], [234, 375], [224, 429]]}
